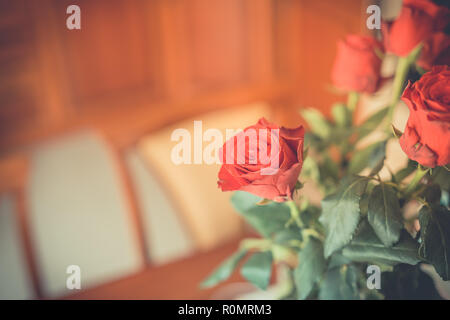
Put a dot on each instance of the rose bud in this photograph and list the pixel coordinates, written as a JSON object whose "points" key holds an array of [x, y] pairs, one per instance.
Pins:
{"points": [[417, 21], [357, 64], [427, 134], [264, 160]]}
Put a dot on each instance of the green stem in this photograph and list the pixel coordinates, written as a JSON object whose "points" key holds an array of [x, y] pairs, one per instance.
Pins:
{"points": [[295, 213], [352, 100], [397, 88], [307, 233], [401, 73], [420, 173], [256, 244]]}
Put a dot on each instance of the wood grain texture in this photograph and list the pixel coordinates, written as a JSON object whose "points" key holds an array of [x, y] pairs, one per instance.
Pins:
{"points": [[163, 54]]}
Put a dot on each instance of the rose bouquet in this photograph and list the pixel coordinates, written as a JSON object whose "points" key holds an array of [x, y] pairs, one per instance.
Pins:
{"points": [[363, 222]]}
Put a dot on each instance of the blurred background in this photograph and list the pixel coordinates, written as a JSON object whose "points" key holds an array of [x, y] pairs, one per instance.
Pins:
{"points": [[85, 123]]}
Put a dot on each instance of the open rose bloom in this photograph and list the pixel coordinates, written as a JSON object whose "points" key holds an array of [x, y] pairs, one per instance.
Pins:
{"points": [[427, 134], [264, 160]]}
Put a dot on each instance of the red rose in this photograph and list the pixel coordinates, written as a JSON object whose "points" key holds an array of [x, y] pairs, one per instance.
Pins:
{"points": [[435, 51], [264, 160], [427, 134], [357, 65], [417, 21]]}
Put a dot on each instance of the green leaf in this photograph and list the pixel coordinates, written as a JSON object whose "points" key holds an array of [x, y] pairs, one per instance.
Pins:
{"points": [[317, 122], [265, 219], [341, 213], [435, 238], [258, 269], [310, 268], [364, 202], [397, 133], [312, 139], [329, 169], [405, 172], [370, 157], [366, 247], [287, 236], [432, 194], [338, 260], [377, 158], [340, 138], [441, 176], [329, 174], [371, 123], [310, 170], [384, 214], [341, 115], [224, 271], [339, 284]]}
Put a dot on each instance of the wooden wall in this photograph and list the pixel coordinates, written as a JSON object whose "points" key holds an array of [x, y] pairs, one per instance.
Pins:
{"points": [[138, 65]]}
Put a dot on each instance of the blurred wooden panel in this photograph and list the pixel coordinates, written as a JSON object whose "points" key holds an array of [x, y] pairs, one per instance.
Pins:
{"points": [[323, 23], [288, 45], [113, 51], [132, 55], [211, 45], [17, 97], [218, 33], [173, 27], [261, 20], [306, 36], [13, 172]]}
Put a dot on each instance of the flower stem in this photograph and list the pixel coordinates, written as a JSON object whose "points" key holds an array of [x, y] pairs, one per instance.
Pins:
{"points": [[401, 73], [352, 100], [256, 244], [295, 213], [307, 233], [397, 87], [420, 173]]}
